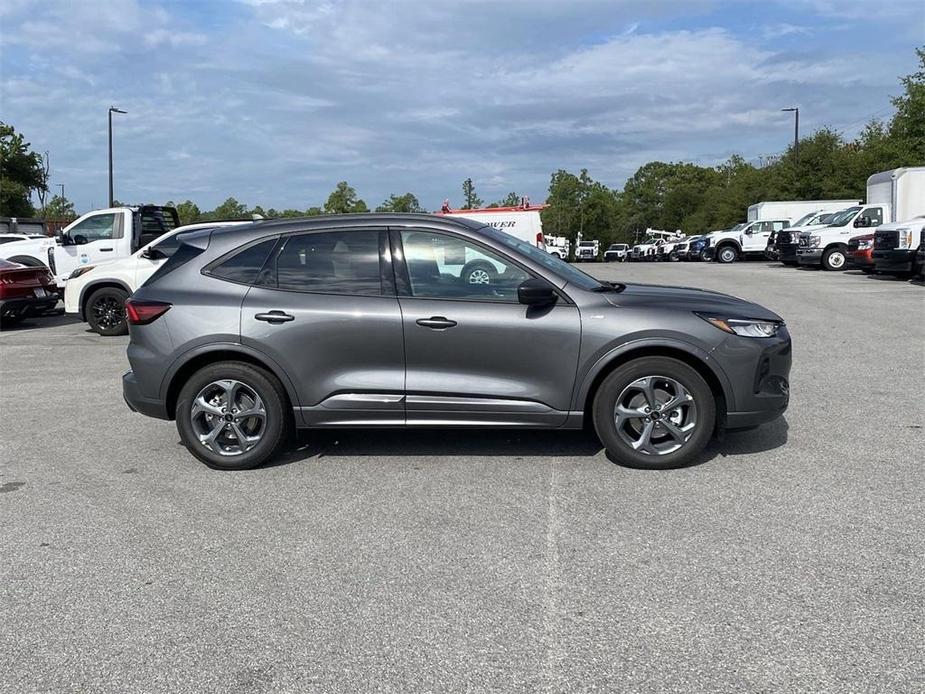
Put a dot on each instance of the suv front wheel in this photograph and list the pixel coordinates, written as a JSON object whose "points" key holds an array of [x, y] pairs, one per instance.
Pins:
{"points": [[654, 413], [727, 254], [232, 415], [105, 311]]}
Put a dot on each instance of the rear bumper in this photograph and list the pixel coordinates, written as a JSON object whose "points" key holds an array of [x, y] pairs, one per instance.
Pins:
{"points": [[131, 393], [894, 260], [809, 256], [26, 306]]}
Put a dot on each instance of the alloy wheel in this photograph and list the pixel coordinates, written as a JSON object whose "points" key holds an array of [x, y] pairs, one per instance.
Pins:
{"points": [[108, 312], [228, 417], [655, 415], [479, 276]]}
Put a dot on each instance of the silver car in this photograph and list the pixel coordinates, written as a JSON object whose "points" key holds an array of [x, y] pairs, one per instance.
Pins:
{"points": [[423, 321]]}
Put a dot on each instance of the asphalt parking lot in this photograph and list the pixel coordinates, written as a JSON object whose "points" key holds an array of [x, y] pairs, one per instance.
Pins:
{"points": [[789, 559]]}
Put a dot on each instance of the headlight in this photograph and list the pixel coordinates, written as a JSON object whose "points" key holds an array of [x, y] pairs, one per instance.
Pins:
{"points": [[80, 271], [865, 243], [814, 241], [744, 327]]}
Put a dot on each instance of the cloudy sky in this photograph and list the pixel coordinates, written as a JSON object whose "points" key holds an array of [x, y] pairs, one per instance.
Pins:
{"points": [[274, 101]]}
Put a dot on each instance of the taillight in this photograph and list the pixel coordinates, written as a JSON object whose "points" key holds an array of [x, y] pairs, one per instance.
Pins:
{"points": [[540, 241], [144, 312]]}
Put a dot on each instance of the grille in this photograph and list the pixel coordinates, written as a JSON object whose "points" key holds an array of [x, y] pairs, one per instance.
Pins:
{"points": [[853, 245], [886, 240]]}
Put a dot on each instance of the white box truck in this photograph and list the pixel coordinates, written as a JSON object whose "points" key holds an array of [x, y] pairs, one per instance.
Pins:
{"points": [[892, 196], [793, 209], [523, 221]]}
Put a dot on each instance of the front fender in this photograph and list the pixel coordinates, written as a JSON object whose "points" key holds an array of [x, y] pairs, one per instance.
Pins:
{"points": [[90, 287], [612, 356]]}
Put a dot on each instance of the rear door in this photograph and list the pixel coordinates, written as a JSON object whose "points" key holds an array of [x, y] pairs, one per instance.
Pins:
{"points": [[473, 353], [323, 307]]}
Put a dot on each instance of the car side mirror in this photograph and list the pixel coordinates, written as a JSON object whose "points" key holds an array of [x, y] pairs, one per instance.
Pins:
{"points": [[536, 292], [80, 240], [748, 232], [861, 222]]}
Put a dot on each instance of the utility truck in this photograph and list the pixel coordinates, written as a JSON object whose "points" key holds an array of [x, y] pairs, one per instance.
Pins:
{"points": [[558, 246], [896, 247], [746, 239], [587, 251], [108, 234], [892, 196], [782, 245]]}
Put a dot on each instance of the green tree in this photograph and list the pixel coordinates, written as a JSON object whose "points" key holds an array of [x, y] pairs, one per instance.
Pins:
{"points": [[188, 212], [21, 172], [230, 209], [510, 200], [343, 200], [401, 203], [908, 124], [472, 200], [60, 209]]}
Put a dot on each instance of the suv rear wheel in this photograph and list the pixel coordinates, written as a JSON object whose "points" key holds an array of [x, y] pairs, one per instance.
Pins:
{"points": [[233, 416], [654, 413], [105, 311]]}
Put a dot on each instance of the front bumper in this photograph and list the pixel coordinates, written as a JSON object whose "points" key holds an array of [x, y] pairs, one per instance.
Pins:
{"points": [[131, 393], [861, 259], [809, 256], [759, 372], [896, 260], [787, 252]]}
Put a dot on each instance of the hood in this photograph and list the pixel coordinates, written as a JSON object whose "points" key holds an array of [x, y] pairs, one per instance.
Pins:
{"points": [[689, 299]]}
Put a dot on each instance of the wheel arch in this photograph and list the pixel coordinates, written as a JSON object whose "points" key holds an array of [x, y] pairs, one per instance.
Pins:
{"points": [[27, 260], [695, 358], [194, 360], [728, 242], [87, 291]]}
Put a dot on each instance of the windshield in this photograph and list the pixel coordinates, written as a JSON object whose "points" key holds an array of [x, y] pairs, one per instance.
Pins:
{"points": [[805, 219], [739, 227], [842, 218], [586, 243], [550, 262]]}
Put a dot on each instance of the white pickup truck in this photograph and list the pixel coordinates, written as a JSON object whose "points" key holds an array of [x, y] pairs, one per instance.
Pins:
{"points": [[892, 196], [99, 235], [97, 292]]}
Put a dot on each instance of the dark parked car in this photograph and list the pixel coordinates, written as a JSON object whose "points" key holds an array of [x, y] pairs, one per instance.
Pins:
{"points": [[374, 320], [24, 291]]}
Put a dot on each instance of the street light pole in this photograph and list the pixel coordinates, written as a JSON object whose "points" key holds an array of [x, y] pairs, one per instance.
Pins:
{"points": [[112, 109], [796, 128], [61, 186]]}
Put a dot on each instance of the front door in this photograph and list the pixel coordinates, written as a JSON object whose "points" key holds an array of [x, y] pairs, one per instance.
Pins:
{"points": [[323, 307], [473, 353], [97, 237]]}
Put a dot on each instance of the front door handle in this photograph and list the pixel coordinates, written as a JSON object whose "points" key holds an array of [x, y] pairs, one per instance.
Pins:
{"points": [[274, 317], [105, 250], [436, 323]]}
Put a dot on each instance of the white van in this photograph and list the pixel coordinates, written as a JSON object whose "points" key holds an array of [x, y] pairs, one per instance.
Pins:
{"points": [[522, 222]]}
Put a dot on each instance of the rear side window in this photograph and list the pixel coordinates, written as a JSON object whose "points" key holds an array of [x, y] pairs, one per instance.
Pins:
{"points": [[336, 262], [244, 265], [181, 256]]}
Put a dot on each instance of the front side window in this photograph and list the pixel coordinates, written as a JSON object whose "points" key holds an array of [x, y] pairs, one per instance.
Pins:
{"points": [[334, 262], [99, 227], [873, 215], [446, 267]]}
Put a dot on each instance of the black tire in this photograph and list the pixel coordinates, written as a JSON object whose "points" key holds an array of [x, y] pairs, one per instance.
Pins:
{"points": [[13, 319], [613, 386], [277, 427], [726, 254], [105, 311], [835, 259]]}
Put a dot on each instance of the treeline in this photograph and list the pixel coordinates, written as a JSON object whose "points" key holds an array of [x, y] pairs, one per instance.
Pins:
{"points": [[696, 199], [659, 195]]}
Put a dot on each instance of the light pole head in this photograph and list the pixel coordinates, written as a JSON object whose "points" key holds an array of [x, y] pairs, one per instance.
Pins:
{"points": [[113, 109], [792, 108]]}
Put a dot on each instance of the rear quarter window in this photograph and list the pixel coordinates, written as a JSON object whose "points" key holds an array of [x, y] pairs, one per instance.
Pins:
{"points": [[243, 265]]}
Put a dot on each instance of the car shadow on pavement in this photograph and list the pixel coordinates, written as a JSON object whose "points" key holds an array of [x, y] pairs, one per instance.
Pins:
{"points": [[498, 443]]}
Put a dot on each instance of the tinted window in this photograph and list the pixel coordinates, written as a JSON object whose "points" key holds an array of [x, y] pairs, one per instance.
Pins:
{"points": [[166, 248], [447, 267], [874, 216], [244, 265], [335, 262]]}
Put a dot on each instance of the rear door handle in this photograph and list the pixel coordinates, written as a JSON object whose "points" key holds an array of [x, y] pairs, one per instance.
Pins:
{"points": [[274, 317], [436, 323], [105, 250]]}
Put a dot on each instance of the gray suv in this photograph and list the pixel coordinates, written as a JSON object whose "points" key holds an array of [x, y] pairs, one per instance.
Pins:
{"points": [[422, 321]]}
